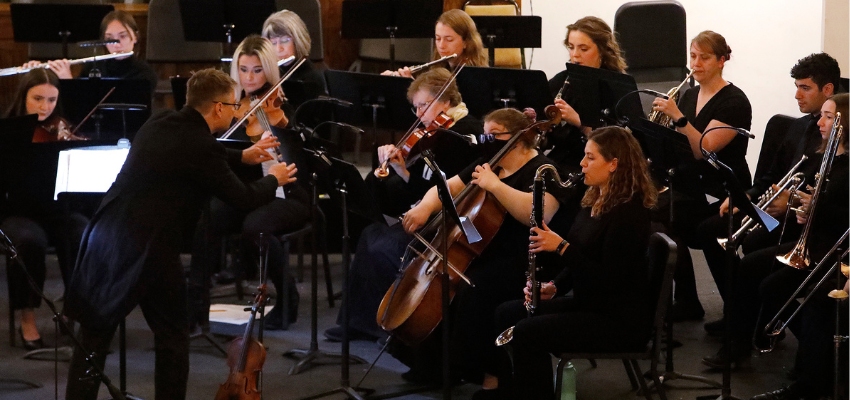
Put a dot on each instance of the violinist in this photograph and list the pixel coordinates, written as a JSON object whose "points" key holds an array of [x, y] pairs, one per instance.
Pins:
{"points": [[130, 254], [255, 70], [454, 33], [604, 264], [120, 26], [34, 225], [498, 273], [290, 37], [591, 43], [376, 260]]}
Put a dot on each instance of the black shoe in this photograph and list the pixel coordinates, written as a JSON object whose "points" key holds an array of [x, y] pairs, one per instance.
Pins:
{"points": [[334, 334], [274, 320], [30, 345], [717, 361], [690, 311], [792, 392], [715, 328]]}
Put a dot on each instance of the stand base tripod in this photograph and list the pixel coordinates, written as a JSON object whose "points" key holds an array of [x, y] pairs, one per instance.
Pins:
{"points": [[206, 335], [314, 355]]}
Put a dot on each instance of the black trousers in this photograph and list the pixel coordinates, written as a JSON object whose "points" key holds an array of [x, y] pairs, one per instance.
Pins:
{"points": [[164, 308], [815, 351], [558, 326], [31, 238]]}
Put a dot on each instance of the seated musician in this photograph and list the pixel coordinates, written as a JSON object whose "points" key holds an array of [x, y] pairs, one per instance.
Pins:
{"points": [[31, 224], [816, 76], [117, 25], [591, 43], [376, 260], [254, 69], [289, 35], [715, 102], [756, 282], [604, 264], [498, 273], [455, 33]]}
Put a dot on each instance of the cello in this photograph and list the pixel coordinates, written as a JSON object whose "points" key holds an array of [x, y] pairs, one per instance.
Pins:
{"points": [[411, 308]]}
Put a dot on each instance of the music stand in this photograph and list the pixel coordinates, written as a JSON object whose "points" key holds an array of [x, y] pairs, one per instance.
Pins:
{"points": [[379, 101], [485, 89], [223, 21], [508, 31], [79, 96], [380, 19], [595, 92], [66, 22]]}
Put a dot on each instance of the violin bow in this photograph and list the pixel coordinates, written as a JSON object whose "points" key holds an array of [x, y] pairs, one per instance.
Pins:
{"points": [[92, 111]]}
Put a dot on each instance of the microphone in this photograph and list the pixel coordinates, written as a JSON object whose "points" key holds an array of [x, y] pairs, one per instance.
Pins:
{"points": [[467, 138], [334, 100], [740, 131]]}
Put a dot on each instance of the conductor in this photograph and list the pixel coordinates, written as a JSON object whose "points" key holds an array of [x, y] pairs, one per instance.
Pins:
{"points": [[130, 251]]}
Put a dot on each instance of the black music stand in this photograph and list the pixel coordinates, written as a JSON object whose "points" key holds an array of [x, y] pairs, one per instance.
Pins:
{"points": [[379, 101], [595, 92], [79, 96], [485, 89], [123, 108], [66, 22], [509, 31], [380, 19], [223, 21]]}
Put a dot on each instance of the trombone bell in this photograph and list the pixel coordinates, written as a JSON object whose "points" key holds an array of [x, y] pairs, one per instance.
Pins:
{"points": [[798, 258], [838, 294], [505, 337]]}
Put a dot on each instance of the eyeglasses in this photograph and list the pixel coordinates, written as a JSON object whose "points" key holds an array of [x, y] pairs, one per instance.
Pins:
{"points": [[236, 106], [420, 106], [279, 40]]}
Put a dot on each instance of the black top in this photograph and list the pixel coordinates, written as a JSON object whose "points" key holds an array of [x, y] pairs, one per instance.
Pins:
{"points": [[731, 107], [803, 137], [174, 165], [305, 84], [565, 141], [606, 262], [831, 213], [128, 68], [452, 154], [507, 254]]}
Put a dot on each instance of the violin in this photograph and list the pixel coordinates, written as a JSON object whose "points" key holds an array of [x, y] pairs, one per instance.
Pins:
{"points": [[54, 130], [411, 308], [267, 115], [245, 358], [407, 143]]}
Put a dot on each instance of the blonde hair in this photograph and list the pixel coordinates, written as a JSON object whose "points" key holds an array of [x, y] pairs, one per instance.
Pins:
{"points": [[261, 47], [473, 48], [288, 23], [603, 37], [432, 80]]}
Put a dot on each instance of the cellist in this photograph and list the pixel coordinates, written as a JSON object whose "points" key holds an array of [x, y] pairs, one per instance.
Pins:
{"points": [[499, 271]]}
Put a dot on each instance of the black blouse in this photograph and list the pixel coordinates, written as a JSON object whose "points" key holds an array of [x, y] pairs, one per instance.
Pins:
{"points": [[731, 107]]}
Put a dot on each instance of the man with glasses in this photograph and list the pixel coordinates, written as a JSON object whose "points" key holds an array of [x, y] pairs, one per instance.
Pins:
{"points": [[130, 252]]}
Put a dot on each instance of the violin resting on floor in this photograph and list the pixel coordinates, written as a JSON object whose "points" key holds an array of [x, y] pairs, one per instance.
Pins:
{"points": [[245, 357]]}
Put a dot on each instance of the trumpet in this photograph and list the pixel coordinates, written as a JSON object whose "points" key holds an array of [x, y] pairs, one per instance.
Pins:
{"points": [[791, 180], [663, 119], [798, 257], [22, 70], [538, 190], [416, 68]]}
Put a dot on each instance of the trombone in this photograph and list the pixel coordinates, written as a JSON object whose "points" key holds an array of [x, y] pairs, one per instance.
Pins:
{"points": [[771, 328]]}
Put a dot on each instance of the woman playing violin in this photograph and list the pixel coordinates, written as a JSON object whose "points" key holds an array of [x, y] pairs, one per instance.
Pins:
{"points": [[120, 26], [290, 37], [255, 69], [454, 33], [33, 226], [604, 259], [499, 272], [376, 264]]}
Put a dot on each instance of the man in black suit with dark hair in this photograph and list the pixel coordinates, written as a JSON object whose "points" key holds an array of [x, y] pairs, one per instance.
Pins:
{"points": [[130, 253]]}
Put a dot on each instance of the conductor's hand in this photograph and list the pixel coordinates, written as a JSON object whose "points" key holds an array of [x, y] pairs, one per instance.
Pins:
{"points": [[667, 107], [285, 173], [568, 113], [259, 151], [547, 291], [484, 177], [415, 218], [543, 239]]}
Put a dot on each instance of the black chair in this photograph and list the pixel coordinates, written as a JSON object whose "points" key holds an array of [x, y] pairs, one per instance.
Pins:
{"points": [[653, 38], [774, 134], [661, 259]]}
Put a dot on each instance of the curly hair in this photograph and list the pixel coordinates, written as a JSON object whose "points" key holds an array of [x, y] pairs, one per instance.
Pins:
{"points": [[473, 50], [432, 80], [514, 121], [601, 35], [629, 179], [821, 67]]}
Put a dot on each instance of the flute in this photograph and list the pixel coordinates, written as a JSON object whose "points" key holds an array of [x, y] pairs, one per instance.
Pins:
{"points": [[22, 70], [416, 68]]}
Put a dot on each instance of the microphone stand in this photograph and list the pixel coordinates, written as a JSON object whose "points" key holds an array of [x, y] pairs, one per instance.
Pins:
{"points": [[95, 371]]}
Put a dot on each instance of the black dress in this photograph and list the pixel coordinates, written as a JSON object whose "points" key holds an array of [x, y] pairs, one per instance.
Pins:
{"points": [[129, 68], [605, 265], [376, 260]]}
